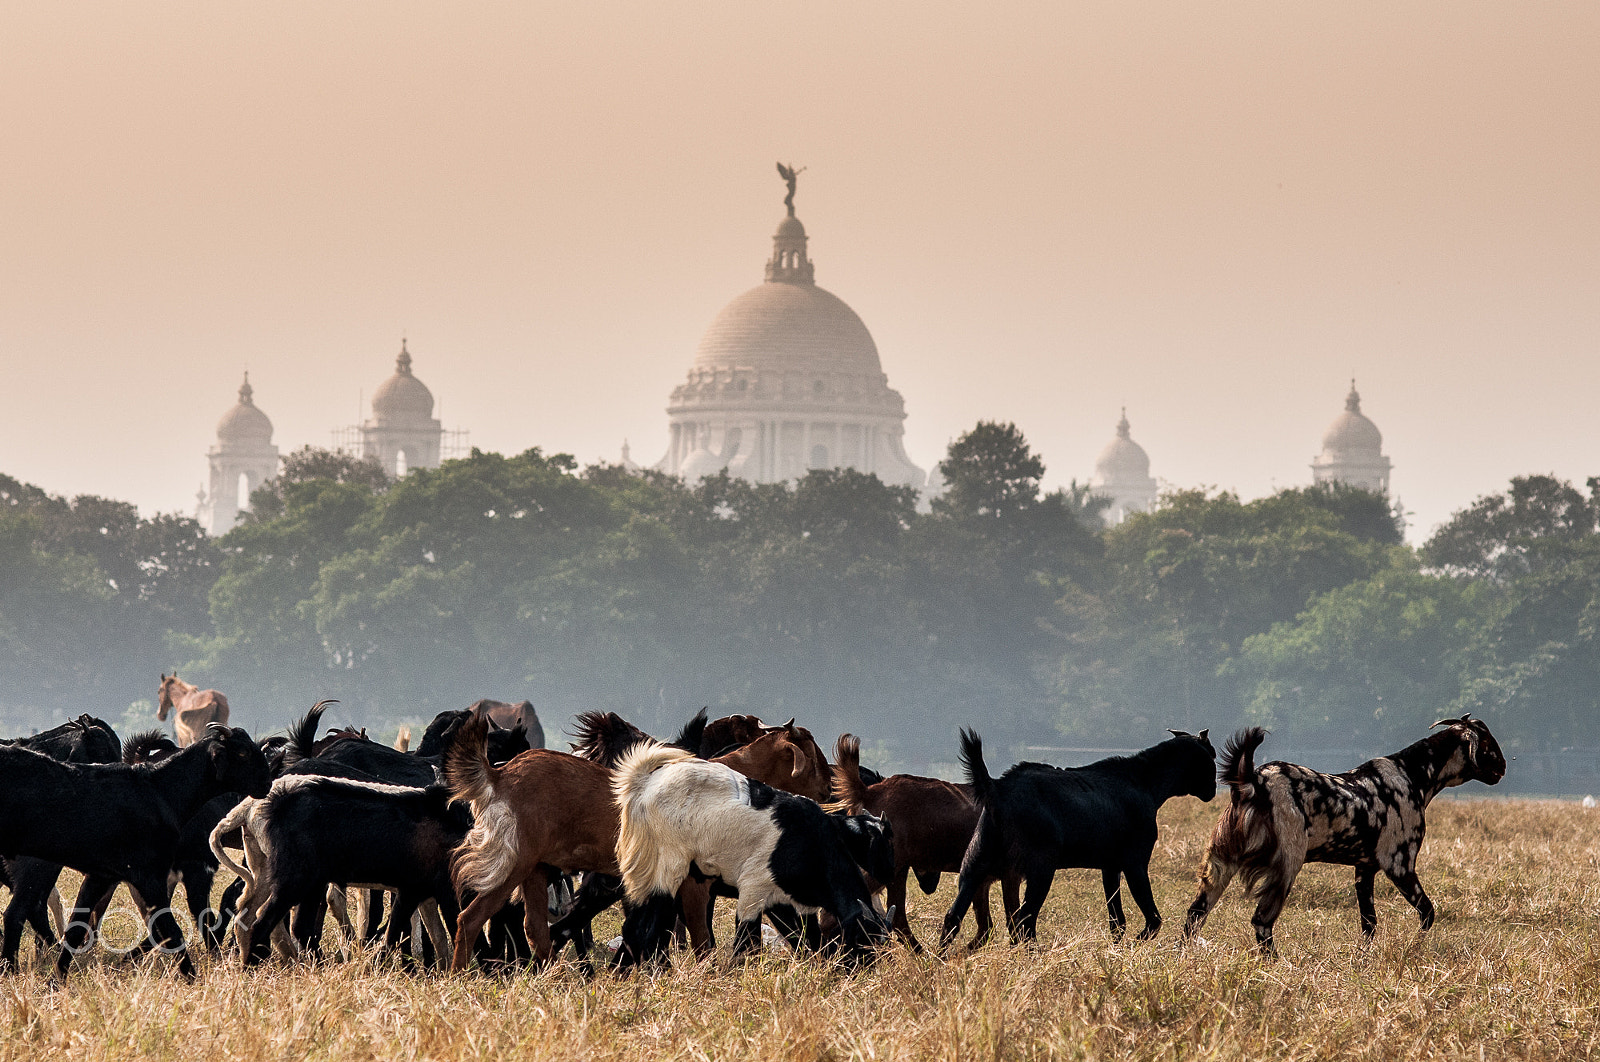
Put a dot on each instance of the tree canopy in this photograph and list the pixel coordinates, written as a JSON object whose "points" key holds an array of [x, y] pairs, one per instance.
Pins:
{"points": [[834, 598]]}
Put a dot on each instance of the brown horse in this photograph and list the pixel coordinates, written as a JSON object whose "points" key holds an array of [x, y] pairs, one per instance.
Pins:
{"points": [[193, 709]]}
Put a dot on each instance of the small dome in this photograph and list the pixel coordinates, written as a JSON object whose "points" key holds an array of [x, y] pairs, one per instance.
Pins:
{"points": [[244, 423], [1123, 460], [402, 396], [790, 228], [700, 464], [1351, 431]]}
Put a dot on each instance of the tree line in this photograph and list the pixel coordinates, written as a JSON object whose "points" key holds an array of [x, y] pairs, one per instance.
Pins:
{"points": [[835, 599]]}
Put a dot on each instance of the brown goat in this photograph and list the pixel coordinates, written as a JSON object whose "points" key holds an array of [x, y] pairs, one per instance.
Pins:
{"points": [[729, 732], [786, 758], [542, 809], [932, 823]]}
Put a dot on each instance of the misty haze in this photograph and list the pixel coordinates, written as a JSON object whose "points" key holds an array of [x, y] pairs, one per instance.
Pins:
{"points": [[1045, 392]]}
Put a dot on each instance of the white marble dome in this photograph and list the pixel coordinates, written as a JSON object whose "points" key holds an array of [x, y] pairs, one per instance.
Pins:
{"points": [[245, 423], [785, 327], [1352, 450], [1122, 476], [1351, 430], [402, 397]]}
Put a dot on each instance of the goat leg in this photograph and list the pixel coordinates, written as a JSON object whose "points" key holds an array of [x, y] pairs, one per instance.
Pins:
{"points": [[81, 921], [1111, 879], [1410, 887], [1138, 876], [897, 904], [1366, 874]]}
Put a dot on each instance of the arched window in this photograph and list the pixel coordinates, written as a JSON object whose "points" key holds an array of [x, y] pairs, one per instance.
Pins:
{"points": [[400, 465], [242, 502], [819, 457]]}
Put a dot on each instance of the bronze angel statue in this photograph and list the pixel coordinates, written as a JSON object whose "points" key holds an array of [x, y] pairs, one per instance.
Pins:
{"points": [[790, 176]]}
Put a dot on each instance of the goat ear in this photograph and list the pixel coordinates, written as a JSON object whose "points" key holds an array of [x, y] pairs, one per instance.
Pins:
{"points": [[1203, 735]]}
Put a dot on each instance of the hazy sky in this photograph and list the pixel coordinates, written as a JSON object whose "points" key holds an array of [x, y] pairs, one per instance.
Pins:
{"points": [[1214, 213]]}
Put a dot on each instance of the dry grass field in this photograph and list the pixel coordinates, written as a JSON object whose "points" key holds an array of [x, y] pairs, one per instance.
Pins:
{"points": [[1511, 970]]}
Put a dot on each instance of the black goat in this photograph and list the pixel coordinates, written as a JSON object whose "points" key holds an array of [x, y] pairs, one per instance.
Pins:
{"points": [[115, 823], [1283, 816], [319, 831], [81, 740], [504, 742], [194, 865], [1036, 819]]}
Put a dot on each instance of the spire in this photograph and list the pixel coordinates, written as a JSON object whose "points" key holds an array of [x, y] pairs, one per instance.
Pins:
{"points": [[402, 364], [1352, 401], [246, 391], [1123, 430]]}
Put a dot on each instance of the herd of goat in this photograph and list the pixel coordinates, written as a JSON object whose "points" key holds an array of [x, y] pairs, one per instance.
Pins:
{"points": [[489, 849]]}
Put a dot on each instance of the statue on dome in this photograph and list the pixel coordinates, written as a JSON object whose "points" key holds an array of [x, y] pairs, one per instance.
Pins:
{"points": [[790, 176]]}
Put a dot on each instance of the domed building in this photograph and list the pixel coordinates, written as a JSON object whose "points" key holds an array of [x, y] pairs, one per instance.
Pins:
{"points": [[1352, 450], [242, 459], [787, 379], [402, 432], [1122, 474]]}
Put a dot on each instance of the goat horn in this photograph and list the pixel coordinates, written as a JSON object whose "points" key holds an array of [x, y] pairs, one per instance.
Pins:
{"points": [[1447, 722]]}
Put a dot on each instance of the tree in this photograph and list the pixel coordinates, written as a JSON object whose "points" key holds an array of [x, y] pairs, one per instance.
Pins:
{"points": [[1370, 664], [1531, 526], [311, 464], [989, 472]]}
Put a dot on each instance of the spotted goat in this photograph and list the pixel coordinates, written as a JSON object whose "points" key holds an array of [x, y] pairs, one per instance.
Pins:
{"points": [[1283, 816]]}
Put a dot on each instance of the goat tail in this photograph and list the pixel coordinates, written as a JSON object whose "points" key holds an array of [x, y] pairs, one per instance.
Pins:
{"points": [[1238, 763], [488, 855], [649, 863], [236, 819], [977, 771], [467, 770], [692, 735], [303, 734], [849, 795]]}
